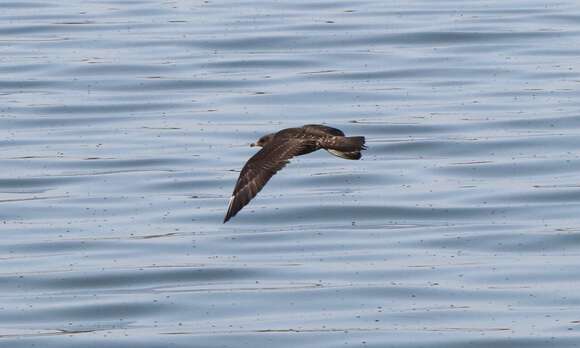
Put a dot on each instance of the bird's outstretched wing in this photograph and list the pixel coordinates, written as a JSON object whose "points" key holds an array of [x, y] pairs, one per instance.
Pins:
{"points": [[320, 130], [260, 168]]}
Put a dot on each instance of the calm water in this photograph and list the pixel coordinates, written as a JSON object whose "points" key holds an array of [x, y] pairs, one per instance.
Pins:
{"points": [[123, 125]]}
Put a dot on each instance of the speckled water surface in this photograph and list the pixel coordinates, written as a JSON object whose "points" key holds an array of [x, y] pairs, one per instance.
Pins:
{"points": [[124, 124]]}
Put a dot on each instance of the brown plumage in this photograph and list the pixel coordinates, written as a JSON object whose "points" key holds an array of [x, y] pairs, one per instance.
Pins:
{"points": [[278, 148]]}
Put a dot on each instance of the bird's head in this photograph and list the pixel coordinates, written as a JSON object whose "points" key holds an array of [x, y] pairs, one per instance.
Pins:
{"points": [[263, 140]]}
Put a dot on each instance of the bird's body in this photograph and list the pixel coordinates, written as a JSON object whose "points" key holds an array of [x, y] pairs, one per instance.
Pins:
{"points": [[278, 148]]}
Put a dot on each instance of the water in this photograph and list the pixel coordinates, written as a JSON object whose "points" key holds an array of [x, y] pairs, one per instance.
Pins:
{"points": [[123, 125]]}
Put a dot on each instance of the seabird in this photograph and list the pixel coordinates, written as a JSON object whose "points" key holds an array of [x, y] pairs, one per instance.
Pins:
{"points": [[278, 148]]}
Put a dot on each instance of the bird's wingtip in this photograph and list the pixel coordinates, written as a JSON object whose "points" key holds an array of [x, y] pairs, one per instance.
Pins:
{"points": [[229, 212], [227, 217]]}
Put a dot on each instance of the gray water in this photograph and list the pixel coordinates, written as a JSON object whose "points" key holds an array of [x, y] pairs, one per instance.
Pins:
{"points": [[124, 124]]}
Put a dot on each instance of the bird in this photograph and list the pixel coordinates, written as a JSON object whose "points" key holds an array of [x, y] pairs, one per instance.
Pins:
{"points": [[276, 151]]}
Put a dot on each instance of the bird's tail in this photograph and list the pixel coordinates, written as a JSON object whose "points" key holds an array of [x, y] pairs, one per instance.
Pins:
{"points": [[345, 147]]}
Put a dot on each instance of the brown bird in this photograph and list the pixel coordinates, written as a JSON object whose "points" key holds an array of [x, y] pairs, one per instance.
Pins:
{"points": [[278, 148]]}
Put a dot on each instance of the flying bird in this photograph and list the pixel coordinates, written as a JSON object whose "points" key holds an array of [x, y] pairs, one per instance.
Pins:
{"points": [[278, 148]]}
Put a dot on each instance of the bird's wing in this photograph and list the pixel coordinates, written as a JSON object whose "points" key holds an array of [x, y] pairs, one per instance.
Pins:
{"points": [[260, 168], [320, 130]]}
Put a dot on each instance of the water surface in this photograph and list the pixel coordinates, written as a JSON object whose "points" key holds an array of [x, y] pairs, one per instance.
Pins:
{"points": [[123, 125]]}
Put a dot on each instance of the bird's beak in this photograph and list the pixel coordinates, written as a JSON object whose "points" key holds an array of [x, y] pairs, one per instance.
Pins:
{"points": [[253, 144]]}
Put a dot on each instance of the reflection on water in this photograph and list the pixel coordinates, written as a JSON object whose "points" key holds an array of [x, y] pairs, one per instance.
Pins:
{"points": [[123, 126]]}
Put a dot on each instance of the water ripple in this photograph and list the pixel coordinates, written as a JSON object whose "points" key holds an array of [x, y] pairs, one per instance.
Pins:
{"points": [[124, 125]]}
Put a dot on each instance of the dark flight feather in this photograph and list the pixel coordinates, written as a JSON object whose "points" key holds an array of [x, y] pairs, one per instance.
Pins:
{"points": [[259, 169]]}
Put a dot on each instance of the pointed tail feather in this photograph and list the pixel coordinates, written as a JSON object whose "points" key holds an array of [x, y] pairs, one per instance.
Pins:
{"points": [[345, 147], [354, 155], [344, 144]]}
